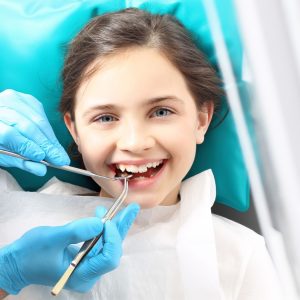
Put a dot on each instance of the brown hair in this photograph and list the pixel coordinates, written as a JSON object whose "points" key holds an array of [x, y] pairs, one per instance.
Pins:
{"points": [[114, 32]]}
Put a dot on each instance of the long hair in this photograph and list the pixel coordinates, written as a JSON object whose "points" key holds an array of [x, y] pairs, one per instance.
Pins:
{"points": [[111, 33]]}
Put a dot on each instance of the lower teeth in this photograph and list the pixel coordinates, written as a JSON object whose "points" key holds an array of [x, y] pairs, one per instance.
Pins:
{"points": [[143, 177]]}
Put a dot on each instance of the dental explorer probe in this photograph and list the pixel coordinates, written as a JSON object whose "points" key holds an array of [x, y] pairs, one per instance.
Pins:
{"points": [[65, 168], [88, 245]]}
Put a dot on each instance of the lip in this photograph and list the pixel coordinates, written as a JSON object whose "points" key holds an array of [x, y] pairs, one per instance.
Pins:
{"points": [[147, 182]]}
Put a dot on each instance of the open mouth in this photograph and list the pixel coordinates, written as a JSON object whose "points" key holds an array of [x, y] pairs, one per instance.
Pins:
{"points": [[139, 172]]}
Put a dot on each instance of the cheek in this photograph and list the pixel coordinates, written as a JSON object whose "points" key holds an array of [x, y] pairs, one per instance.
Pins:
{"points": [[181, 143], [94, 149], [185, 156]]}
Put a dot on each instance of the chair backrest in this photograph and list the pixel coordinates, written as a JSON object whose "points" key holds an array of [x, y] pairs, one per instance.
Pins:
{"points": [[33, 38]]}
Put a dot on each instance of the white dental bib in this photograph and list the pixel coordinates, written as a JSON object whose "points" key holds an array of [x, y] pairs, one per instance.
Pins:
{"points": [[169, 252]]}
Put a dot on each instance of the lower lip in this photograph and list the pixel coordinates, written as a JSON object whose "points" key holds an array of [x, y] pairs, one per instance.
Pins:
{"points": [[147, 181]]}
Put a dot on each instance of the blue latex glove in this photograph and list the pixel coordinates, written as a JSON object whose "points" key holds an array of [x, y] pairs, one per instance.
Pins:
{"points": [[24, 129], [43, 254]]}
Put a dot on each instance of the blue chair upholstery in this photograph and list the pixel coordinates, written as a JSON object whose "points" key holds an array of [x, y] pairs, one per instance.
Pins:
{"points": [[33, 39]]}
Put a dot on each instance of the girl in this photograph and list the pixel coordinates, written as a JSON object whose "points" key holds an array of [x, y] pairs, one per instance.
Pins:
{"points": [[138, 96]]}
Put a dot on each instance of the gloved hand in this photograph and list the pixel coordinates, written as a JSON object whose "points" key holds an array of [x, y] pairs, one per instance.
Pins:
{"points": [[43, 254], [24, 129]]}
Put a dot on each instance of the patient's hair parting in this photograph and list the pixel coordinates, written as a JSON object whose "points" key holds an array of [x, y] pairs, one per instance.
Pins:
{"points": [[112, 33]]}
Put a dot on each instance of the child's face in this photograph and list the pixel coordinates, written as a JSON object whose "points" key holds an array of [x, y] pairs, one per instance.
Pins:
{"points": [[136, 110]]}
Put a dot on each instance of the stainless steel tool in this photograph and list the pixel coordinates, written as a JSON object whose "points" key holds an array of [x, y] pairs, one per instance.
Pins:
{"points": [[87, 245], [65, 168]]}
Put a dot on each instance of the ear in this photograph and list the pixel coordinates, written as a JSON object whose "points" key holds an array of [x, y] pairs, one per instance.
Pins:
{"points": [[204, 118], [72, 129]]}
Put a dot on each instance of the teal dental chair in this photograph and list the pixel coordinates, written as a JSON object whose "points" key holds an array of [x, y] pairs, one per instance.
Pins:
{"points": [[33, 39]]}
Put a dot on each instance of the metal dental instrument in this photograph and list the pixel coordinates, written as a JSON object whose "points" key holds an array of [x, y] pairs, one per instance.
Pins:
{"points": [[88, 245], [65, 168]]}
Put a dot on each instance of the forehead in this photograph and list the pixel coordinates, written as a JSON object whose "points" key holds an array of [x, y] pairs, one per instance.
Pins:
{"points": [[131, 75]]}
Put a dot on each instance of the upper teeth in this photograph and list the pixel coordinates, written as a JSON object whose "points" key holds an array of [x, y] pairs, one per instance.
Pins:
{"points": [[138, 169]]}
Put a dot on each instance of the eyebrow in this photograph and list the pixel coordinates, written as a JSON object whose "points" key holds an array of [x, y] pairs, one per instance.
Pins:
{"points": [[148, 102]]}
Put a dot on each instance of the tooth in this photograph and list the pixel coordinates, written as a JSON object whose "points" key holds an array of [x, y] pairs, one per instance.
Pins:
{"points": [[128, 168], [136, 169], [133, 169], [122, 168], [139, 169], [142, 169], [159, 162]]}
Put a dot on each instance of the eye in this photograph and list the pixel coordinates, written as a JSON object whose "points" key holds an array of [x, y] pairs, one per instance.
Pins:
{"points": [[162, 112], [106, 119]]}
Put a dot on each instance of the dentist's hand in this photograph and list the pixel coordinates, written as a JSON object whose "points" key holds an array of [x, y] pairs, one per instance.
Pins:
{"points": [[24, 129], [43, 254]]}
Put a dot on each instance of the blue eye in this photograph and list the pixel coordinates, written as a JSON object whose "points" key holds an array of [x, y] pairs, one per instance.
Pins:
{"points": [[162, 112], [106, 119]]}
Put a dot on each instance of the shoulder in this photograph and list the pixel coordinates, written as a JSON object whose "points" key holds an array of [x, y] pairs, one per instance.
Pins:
{"points": [[57, 187], [245, 267], [235, 244], [234, 233], [8, 182]]}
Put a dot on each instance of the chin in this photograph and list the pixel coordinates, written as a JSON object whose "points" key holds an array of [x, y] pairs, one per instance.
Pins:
{"points": [[143, 203]]}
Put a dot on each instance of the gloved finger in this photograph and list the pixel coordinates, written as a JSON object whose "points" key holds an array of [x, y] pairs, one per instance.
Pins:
{"points": [[32, 167], [125, 218], [96, 248], [109, 257], [77, 231], [37, 126], [32, 132], [41, 120], [22, 146], [100, 211], [55, 153], [12, 140], [24, 102]]}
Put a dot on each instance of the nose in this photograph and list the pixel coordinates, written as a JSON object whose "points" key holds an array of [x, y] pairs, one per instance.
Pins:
{"points": [[135, 138]]}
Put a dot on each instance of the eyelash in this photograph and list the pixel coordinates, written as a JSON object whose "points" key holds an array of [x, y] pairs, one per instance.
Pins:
{"points": [[165, 109], [169, 112], [104, 116]]}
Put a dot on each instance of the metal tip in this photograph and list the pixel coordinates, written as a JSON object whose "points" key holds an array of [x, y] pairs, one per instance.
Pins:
{"points": [[123, 177]]}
